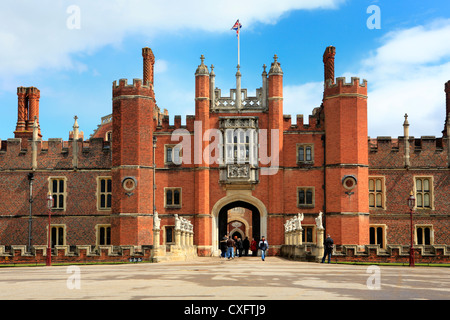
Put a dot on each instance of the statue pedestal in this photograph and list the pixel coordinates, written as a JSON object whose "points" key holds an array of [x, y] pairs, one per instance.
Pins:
{"points": [[320, 249]]}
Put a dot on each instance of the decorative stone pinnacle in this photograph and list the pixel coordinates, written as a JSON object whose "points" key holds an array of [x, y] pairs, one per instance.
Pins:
{"points": [[264, 67], [406, 120], [202, 57], [275, 58]]}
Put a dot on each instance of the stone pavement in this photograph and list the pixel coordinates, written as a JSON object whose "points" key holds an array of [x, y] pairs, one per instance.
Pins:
{"points": [[246, 278]]}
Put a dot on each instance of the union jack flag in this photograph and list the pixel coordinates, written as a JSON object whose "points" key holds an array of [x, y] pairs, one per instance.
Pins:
{"points": [[237, 26]]}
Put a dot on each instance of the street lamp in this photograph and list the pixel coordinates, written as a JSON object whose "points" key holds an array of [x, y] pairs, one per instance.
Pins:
{"points": [[49, 249], [411, 203], [154, 174]]}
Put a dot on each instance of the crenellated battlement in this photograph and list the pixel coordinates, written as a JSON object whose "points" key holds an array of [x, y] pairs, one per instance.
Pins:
{"points": [[55, 153], [312, 124], [137, 88], [426, 151], [342, 88]]}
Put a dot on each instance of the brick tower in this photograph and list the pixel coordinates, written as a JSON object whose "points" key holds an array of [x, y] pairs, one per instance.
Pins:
{"points": [[346, 164], [132, 158], [202, 223]]}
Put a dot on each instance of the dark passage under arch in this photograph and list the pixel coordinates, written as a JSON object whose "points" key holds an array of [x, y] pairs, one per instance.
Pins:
{"points": [[223, 218]]}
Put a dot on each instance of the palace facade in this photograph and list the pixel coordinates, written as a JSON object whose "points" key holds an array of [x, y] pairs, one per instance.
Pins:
{"points": [[237, 166]]}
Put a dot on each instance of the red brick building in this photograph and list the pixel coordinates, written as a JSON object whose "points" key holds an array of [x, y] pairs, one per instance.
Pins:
{"points": [[237, 165]]}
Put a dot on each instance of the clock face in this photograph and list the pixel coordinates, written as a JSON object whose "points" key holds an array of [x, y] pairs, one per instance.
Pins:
{"points": [[129, 184]]}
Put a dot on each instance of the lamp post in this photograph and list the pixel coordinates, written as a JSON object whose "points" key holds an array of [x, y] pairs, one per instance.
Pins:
{"points": [[411, 204], [154, 171], [49, 249]]}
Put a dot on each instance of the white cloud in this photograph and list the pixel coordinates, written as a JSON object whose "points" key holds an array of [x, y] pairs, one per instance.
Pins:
{"points": [[406, 74], [302, 99], [35, 34]]}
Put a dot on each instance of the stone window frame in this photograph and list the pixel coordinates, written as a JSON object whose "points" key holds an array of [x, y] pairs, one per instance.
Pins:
{"points": [[97, 234], [384, 228], [99, 193], [172, 206], [306, 205], [173, 147], [57, 227], [64, 193], [416, 234], [375, 192], [423, 192], [314, 233], [165, 234], [304, 146]]}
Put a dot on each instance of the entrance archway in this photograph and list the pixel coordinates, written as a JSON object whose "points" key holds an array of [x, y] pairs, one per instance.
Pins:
{"points": [[220, 212]]}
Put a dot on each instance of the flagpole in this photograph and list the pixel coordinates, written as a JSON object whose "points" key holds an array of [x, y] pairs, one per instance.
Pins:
{"points": [[239, 46]]}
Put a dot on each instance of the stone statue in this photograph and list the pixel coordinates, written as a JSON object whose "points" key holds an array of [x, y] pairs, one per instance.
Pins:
{"points": [[300, 218], [156, 221], [319, 221], [177, 222]]}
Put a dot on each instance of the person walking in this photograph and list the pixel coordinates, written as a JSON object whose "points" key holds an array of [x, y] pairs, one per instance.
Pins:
{"points": [[230, 244], [223, 246], [328, 248], [246, 245], [263, 245], [254, 247], [239, 247]]}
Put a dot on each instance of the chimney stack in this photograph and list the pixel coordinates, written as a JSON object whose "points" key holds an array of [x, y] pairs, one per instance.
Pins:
{"points": [[328, 62]]}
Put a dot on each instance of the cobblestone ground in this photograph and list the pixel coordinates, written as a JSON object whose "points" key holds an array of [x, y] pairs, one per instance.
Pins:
{"points": [[246, 278]]}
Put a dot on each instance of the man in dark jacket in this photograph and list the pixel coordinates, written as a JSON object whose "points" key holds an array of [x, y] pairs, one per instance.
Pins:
{"points": [[328, 248], [246, 245]]}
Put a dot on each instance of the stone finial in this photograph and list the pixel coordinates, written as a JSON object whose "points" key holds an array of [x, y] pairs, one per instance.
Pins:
{"points": [[275, 67], [264, 70], [212, 71], [202, 68]]}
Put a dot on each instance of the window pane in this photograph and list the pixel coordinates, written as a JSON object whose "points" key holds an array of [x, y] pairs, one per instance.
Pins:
{"points": [[176, 197], [379, 200], [419, 236], [108, 235], [60, 236], [301, 196], [102, 201], [426, 185], [102, 236], [109, 185], [426, 200], [380, 236], [61, 185], [378, 185], [169, 155], [53, 239], [169, 235], [309, 196], [371, 200], [108, 201], [419, 185], [169, 197], [372, 235], [419, 200], [102, 185], [301, 154], [61, 201], [308, 154], [309, 235], [427, 236], [54, 186], [371, 185]]}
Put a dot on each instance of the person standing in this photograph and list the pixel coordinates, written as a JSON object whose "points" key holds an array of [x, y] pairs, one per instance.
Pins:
{"points": [[328, 248], [223, 246], [263, 245], [254, 247], [246, 244], [230, 244]]}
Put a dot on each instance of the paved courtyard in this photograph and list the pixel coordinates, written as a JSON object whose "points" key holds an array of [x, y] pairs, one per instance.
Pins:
{"points": [[245, 278]]}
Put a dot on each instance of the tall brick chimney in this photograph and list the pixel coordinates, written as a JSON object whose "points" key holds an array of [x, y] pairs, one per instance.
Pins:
{"points": [[27, 110], [328, 62], [149, 62]]}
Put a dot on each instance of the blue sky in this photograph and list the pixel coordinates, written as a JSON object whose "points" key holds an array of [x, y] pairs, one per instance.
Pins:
{"points": [[406, 61]]}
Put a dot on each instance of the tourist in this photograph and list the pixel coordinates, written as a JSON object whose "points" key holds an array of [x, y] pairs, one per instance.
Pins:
{"points": [[254, 247], [223, 246], [246, 245], [328, 248], [230, 244], [263, 245]]}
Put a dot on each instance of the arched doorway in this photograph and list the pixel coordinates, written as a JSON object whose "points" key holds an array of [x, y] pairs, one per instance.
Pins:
{"points": [[255, 219], [220, 213]]}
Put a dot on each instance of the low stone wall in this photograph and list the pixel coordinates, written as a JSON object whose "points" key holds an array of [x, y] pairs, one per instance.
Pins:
{"points": [[369, 253], [18, 254]]}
